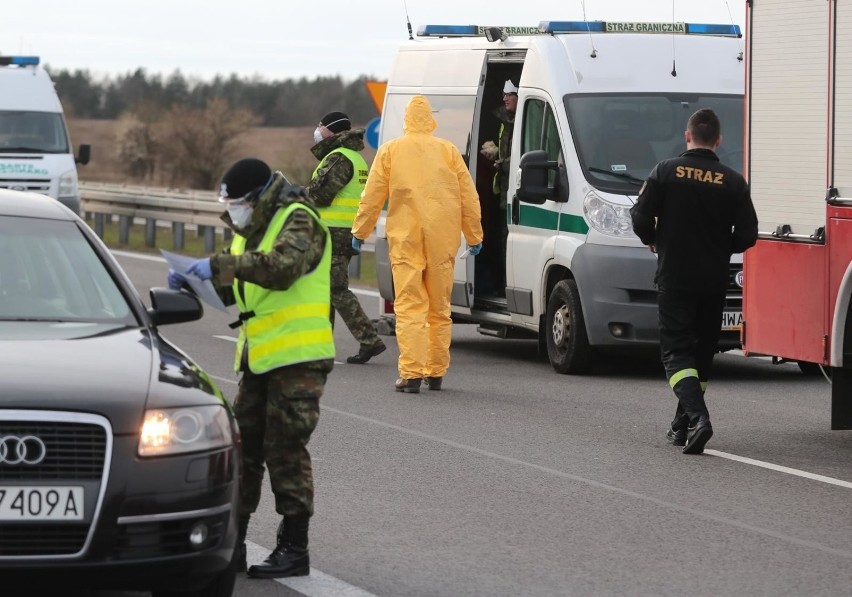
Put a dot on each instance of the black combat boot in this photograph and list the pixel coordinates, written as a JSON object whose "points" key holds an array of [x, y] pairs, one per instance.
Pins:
{"points": [[676, 435], [290, 556], [698, 433], [242, 530]]}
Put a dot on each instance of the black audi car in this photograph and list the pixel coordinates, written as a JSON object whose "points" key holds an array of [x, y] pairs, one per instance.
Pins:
{"points": [[118, 454]]}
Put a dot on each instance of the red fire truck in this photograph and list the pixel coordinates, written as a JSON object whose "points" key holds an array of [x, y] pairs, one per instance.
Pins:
{"points": [[798, 159]]}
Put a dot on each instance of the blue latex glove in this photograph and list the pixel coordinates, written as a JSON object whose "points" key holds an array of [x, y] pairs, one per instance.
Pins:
{"points": [[356, 245], [201, 268], [176, 280], [475, 249]]}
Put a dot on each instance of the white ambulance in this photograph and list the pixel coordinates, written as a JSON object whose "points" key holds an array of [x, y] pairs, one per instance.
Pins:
{"points": [[35, 150], [599, 104]]}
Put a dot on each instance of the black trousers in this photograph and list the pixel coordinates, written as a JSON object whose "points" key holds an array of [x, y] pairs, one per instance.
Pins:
{"points": [[690, 325]]}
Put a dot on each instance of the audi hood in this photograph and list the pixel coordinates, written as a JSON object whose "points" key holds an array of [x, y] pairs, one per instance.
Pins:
{"points": [[111, 370]]}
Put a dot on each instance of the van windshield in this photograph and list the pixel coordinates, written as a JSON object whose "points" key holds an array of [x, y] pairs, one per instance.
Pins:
{"points": [[621, 137], [32, 132]]}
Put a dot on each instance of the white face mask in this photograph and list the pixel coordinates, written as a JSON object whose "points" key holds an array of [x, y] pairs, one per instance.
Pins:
{"points": [[317, 135], [240, 214]]}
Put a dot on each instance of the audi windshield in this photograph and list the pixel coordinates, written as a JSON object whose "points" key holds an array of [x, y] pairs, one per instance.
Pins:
{"points": [[49, 272], [621, 137]]}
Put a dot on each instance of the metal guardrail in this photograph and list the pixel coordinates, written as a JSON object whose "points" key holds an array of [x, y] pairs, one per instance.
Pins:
{"points": [[129, 203], [154, 205]]}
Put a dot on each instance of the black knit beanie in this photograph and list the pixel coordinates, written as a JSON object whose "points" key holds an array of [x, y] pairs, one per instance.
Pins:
{"points": [[244, 176], [336, 122]]}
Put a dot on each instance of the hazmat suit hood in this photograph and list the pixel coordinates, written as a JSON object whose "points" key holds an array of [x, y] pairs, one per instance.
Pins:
{"points": [[418, 116]]}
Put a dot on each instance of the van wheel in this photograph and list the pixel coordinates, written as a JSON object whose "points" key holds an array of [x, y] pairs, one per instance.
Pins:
{"points": [[567, 342]]}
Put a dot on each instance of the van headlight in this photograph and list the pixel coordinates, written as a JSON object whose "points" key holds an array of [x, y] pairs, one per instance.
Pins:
{"points": [[167, 431], [68, 186], [607, 217]]}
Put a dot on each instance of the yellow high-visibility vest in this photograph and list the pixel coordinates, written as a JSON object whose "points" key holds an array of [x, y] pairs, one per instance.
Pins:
{"points": [[288, 326], [343, 209]]}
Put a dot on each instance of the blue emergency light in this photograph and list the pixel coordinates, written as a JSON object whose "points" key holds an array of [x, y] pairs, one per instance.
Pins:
{"points": [[448, 31], [19, 60], [639, 27]]}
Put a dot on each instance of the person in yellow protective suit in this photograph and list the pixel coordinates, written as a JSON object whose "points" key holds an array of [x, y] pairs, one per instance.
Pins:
{"points": [[432, 200]]}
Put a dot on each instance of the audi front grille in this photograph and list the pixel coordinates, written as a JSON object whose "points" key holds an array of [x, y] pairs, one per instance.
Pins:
{"points": [[52, 449]]}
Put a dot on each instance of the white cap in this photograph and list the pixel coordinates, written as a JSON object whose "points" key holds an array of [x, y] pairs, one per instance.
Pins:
{"points": [[509, 87]]}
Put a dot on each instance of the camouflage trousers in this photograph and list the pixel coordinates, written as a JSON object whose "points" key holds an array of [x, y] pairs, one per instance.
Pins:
{"points": [[277, 412], [346, 303]]}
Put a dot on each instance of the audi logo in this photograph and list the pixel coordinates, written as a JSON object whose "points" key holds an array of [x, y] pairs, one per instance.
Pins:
{"points": [[21, 450]]}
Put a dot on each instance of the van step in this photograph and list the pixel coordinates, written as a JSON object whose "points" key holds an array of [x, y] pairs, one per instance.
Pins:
{"points": [[498, 331]]}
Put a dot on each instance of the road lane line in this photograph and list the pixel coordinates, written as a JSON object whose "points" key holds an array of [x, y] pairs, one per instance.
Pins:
{"points": [[318, 584], [599, 485], [781, 469], [142, 256], [843, 553]]}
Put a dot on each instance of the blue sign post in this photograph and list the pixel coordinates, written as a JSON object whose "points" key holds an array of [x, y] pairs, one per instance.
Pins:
{"points": [[371, 136]]}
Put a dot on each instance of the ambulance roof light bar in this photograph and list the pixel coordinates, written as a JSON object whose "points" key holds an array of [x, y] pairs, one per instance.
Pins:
{"points": [[19, 60], [639, 27]]}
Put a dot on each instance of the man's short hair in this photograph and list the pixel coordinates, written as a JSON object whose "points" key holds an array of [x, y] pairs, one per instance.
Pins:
{"points": [[704, 127]]}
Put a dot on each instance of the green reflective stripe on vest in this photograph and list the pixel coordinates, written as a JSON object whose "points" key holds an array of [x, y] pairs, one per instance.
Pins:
{"points": [[703, 386], [343, 209], [289, 326], [683, 373]]}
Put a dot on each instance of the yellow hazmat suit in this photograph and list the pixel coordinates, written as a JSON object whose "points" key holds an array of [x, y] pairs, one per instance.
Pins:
{"points": [[432, 200]]}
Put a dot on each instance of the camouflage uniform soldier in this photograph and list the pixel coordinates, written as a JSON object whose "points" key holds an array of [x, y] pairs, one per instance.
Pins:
{"points": [[336, 187], [277, 270]]}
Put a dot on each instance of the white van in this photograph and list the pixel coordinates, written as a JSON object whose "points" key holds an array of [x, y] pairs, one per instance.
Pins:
{"points": [[35, 150], [599, 104]]}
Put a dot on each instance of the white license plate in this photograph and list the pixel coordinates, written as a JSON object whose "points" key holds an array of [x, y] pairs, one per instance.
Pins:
{"points": [[732, 320], [41, 503]]}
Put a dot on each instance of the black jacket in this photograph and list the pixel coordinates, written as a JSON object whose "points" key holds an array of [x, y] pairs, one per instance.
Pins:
{"points": [[697, 211]]}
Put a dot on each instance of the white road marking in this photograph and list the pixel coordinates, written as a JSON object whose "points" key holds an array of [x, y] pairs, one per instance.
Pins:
{"points": [[781, 469], [843, 553], [143, 256], [318, 584]]}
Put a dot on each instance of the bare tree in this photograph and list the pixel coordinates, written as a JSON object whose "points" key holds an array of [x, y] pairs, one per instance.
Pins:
{"points": [[137, 141], [196, 145]]}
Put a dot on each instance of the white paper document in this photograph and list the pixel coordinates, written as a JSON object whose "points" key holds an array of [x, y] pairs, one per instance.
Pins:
{"points": [[202, 288]]}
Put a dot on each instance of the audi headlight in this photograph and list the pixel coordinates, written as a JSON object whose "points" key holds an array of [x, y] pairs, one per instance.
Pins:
{"points": [[607, 217], [167, 431], [68, 184]]}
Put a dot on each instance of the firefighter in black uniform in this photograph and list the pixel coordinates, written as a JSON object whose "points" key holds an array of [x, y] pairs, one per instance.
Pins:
{"points": [[694, 213]]}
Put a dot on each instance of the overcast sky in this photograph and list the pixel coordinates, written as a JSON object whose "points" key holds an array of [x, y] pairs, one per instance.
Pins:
{"points": [[288, 38]]}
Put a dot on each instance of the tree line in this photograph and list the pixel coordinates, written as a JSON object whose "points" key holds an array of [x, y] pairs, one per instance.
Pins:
{"points": [[273, 103]]}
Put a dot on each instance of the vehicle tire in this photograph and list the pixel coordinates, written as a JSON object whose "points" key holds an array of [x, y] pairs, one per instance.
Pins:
{"points": [[809, 369], [568, 346], [221, 585]]}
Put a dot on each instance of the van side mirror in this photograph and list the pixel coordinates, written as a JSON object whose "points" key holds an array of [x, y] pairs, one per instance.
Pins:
{"points": [[535, 173], [84, 155]]}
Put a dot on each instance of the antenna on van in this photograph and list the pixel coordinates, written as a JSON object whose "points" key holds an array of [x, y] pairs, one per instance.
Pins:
{"points": [[674, 63], [594, 53], [740, 55], [407, 20]]}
